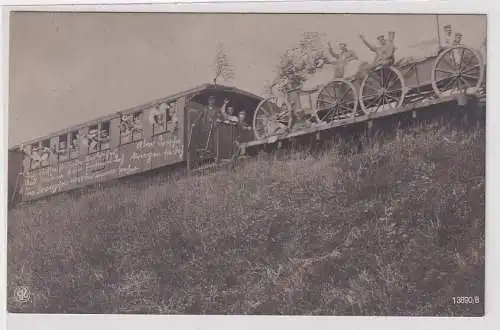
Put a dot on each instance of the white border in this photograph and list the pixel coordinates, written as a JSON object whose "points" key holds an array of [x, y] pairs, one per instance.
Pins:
{"points": [[76, 322]]}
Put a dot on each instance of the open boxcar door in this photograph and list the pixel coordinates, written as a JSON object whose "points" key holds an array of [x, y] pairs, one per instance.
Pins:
{"points": [[210, 136]]}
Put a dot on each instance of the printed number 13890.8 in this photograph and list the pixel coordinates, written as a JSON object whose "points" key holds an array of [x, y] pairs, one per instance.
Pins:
{"points": [[466, 300]]}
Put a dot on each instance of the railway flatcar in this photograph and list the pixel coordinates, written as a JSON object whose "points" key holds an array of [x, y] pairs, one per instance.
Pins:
{"points": [[456, 70], [177, 129]]}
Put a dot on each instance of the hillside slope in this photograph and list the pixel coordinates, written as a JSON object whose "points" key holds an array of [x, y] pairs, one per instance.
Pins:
{"points": [[397, 229]]}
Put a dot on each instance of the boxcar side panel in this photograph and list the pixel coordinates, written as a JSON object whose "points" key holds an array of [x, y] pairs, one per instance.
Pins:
{"points": [[134, 157], [118, 161], [168, 147]]}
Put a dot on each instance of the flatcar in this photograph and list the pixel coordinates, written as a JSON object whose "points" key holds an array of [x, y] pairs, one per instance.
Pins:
{"points": [[454, 70], [161, 133]]}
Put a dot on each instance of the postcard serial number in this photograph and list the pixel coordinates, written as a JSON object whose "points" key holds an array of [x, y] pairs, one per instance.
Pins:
{"points": [[466, 300]]}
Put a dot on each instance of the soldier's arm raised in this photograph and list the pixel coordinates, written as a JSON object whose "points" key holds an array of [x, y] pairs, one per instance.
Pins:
{"points": [[330, 50], [370, 46]]}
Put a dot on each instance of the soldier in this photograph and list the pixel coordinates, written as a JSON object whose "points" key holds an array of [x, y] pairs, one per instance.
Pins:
{"points": [[448, 36], [280, 92], [126, 126], [29, 161], [74, 144], [137, 123], [384, 52], [242, 116], [92, 138], [45, 154], [172, 119], [244, 130], [457, 53], [61, 148], [205, 123], [457, 41], [228, 112], [35, 157], [103, 135], [343, 58], [26, 150], [157, 115], [157, 118]]}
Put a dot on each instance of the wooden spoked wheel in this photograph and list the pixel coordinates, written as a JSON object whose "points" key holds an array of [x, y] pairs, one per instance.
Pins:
{"points": [[270, 119], [382, 89], [457, 69], [338, 99]]}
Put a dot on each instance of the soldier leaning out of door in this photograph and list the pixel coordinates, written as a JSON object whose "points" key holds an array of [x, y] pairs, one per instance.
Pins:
{"points": [[242, 120], [209, 115], [228, 112]]}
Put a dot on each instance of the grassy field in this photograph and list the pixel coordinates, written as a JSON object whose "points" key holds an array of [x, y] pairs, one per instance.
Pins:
{"points": [[396, 229]]}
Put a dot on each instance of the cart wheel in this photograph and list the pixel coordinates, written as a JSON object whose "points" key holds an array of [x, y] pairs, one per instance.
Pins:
{"points": [[382, 89], [336, 100], [457, 69], [270, 119]]}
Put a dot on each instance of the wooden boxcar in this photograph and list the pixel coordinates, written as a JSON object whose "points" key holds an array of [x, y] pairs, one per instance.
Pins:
{"points": [[158, 134]]}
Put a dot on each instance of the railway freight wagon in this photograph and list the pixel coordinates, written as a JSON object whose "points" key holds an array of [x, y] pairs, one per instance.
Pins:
{"points": [[457, 71], [158, 134]]}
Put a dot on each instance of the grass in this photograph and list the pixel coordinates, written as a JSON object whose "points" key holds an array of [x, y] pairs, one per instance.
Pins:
{"points": [[396, 229]]}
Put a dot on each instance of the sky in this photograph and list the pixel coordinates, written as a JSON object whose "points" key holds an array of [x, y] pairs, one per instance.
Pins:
{"points": [[69, 68]]}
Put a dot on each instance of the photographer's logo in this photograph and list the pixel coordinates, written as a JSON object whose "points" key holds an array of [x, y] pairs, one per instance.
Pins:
{"points": [[22, 294]]}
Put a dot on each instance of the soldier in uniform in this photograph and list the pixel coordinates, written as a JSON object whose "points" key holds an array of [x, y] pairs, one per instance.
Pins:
{"points": [[457, 53], [205, 125], [448, 36], [172, 119], [457, 41], [343, 58], [384, 52], [92, 137], [244, 130], [242, 119], [228, 112], [44, 155], [157, 115]]}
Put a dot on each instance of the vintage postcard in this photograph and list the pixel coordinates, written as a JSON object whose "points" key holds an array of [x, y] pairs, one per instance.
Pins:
{"points": [[246, 164]]}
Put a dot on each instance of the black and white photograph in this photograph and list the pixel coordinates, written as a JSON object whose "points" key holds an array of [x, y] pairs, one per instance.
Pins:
{"points": [[286, 164]]}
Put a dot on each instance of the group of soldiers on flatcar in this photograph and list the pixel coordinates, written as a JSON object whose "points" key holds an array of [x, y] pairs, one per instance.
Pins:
{"points": [[347, 65], [384, 51]]}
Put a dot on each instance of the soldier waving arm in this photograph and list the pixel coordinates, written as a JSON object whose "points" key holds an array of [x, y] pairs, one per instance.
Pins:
{"points": [[370, 46]]}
